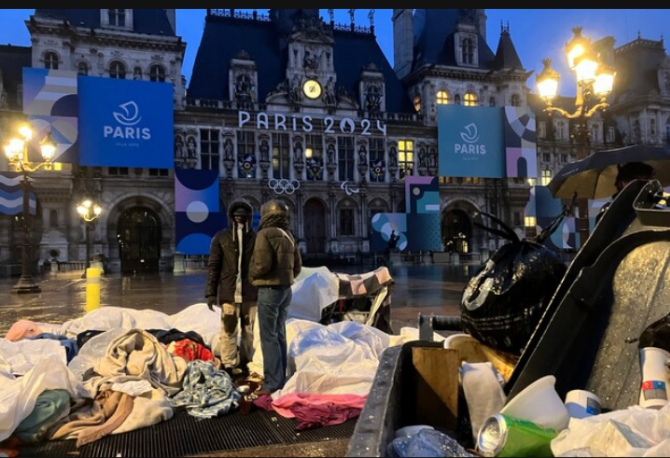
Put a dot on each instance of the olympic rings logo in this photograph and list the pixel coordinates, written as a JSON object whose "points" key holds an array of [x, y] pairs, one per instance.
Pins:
{"points": [[284, 186]]}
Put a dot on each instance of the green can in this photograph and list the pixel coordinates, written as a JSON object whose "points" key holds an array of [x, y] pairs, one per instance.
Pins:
{"points": [[505, 436]]}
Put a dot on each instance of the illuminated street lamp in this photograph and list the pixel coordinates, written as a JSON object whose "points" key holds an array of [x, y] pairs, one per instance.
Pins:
{"points": [[595, 81], [89, 211], [17, 153]]}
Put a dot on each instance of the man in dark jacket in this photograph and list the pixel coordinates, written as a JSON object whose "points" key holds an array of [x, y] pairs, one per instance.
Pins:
{"points": [[274, 265], [228, 285]]}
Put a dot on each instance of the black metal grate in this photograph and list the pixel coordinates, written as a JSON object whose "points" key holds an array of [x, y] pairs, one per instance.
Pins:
{"points": [[185, 435]]}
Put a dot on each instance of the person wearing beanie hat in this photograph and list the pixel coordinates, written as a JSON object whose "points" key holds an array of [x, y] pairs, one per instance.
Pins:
{"points": [[275, 263], [228, 286]]}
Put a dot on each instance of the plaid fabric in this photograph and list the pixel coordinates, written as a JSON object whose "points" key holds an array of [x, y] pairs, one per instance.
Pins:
{"points": [[365, 284]]}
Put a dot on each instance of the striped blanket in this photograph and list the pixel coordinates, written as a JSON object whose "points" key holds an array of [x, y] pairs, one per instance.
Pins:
{"points": [[365, 284]]}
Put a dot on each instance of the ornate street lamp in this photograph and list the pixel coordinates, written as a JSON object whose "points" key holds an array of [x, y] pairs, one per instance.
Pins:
{"points": [[595, 81], [17, 153], [89, 211]]}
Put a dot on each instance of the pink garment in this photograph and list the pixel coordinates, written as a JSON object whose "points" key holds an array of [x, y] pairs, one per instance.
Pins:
{"points": [[23, 330], [317, 410], [283, 404]]}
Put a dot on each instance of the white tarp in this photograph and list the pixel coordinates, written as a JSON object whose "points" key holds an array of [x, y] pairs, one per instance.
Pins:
{"points": [[18, 395], [19, 357], [341, 358]]}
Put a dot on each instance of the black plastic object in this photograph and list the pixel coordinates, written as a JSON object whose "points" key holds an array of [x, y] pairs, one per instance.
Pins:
{"points": [[504, 301], [614, 289], [390, 404], [657, 335]]}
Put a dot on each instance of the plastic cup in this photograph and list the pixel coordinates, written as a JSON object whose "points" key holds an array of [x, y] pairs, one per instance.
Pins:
{"points": [[655, 377], [539, 403], [582, 404]]}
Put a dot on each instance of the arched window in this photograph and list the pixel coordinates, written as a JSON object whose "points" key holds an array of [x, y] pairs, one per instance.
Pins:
{"points": [[468, 51], [417, 103], [471, 99], [442, 98], [516, 100], [157, 73], [82, 69], [117, 70], [51, 60], [492, 102]]}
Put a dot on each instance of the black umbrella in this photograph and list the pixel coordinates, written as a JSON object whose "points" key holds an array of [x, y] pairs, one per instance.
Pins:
{"points": [[594, 177]]}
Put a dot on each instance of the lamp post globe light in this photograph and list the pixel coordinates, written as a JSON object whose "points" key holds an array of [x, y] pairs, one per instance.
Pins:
{"points": [[595, 81], [89, 211], [17, 153]]}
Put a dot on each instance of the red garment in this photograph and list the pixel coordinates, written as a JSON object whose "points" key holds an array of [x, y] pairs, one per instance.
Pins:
{"points": [[316, 410], [190, 350], [316, 416]]}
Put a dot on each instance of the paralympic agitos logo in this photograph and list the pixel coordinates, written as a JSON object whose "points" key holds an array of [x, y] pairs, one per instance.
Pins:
{"points": [[127, 128], [470, 136]]}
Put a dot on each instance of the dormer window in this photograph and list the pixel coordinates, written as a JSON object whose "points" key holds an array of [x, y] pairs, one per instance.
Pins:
{"points": [[117, 18], [468, 51]]}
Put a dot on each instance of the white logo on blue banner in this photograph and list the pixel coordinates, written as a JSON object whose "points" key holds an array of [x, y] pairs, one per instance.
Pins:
{"points": [[471, 141], [125, 123]]}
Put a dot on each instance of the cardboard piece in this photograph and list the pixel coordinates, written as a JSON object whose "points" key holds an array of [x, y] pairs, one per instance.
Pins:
{"points": [[436, 377]]}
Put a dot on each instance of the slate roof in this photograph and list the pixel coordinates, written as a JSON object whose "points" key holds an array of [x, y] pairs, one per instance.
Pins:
{"points": [[145, 21], [434, 39], [12, 61], [637, 64], [224, 37], [506, 56]]}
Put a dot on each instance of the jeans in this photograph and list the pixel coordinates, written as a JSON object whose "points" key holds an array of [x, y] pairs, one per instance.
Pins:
{"points": [[273, 303]]}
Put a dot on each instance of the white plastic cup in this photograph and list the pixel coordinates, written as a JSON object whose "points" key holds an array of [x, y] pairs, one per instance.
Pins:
{"points": [[582, 404], [655, 377], [539, 403]]}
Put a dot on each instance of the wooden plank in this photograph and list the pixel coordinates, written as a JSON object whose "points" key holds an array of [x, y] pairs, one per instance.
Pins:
{"points": [[436, 387]]}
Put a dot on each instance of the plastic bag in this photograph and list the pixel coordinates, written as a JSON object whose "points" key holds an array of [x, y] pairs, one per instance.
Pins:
{"points": [[657, 335], [503, 303]]}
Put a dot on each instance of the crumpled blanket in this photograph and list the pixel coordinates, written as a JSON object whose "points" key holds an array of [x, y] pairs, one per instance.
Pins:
{"points": [[90, 423], [207, 392], [50, 407], [138, 353]]}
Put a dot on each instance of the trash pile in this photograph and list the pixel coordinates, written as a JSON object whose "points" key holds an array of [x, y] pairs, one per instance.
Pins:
{"points": [[562, 360], [116, 370]]}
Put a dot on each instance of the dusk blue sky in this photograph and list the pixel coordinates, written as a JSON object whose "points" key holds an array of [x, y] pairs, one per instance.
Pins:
{"points": [[536, 33]]}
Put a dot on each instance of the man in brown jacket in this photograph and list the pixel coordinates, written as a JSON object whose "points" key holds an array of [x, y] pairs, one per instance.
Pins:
{"points": [[275, 263]]}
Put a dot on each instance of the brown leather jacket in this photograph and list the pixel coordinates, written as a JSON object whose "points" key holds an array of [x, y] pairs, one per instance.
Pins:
{"points": [[276, 260]]}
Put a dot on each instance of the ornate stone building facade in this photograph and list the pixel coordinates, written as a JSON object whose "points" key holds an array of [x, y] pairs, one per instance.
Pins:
{"points": [[291, 106]]}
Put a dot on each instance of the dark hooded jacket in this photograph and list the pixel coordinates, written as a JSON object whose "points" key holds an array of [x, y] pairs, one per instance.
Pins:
{"points": [[276, 260], [223, 259]]}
